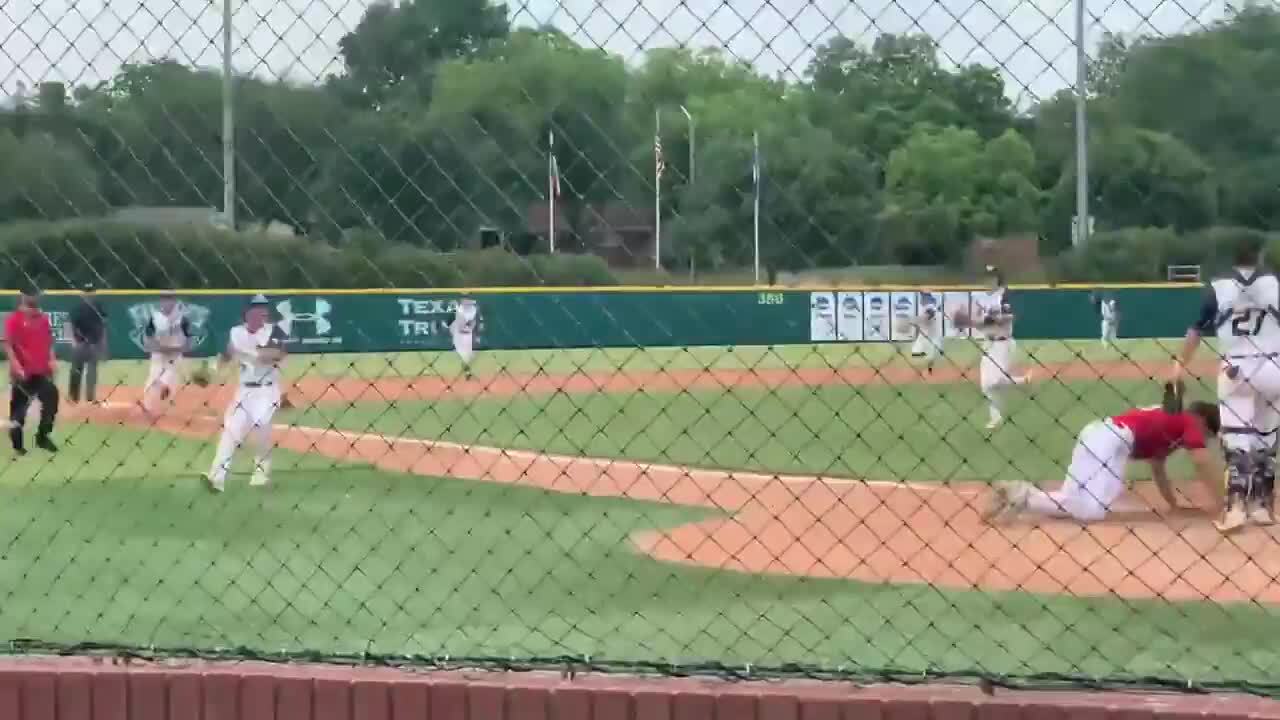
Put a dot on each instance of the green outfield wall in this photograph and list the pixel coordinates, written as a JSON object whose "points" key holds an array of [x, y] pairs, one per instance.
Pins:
{"points": [[380, 321]]}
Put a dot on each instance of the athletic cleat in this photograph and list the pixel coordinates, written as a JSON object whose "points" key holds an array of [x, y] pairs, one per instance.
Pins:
{"points": [[1260, 514], [1232, 520], [44, 443], [997, 504], [1006, 499], [210, 485], [259, 479], [994, 424]]}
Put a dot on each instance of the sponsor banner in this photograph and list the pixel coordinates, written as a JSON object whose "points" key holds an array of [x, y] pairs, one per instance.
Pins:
{"points": [[425, 322], [308, 321], [849, 321], [876, 315], [904, 313], [198, 317], [951, 302], [822, 316]]}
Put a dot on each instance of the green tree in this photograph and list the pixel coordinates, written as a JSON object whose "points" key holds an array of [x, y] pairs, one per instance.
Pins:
{"points": [[41, 178], [401, 45], [945, 185]]}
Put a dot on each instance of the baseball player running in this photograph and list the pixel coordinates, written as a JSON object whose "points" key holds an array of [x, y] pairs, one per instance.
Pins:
{"points": [[257, 346], [928, 327], [1095, 477], [995, 323], [463, 329], [168, 338], [1243, 311]]}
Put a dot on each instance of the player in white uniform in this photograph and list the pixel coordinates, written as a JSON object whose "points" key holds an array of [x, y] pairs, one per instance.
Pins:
{"points": [[1110, 320], [994, 322], [257, 347], [928, 325], [168, 338], [463, 329], [1243, 311]]}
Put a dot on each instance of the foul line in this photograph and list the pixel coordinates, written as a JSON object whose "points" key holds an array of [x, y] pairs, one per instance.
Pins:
{"points": [[606, 463]]}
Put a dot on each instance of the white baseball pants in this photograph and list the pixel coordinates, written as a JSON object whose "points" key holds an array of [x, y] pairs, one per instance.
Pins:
{"points": [[927, 346], [248, 417], [1095, 477], [1250, 403], [1109, 331], [165, 371], [464, 345]]}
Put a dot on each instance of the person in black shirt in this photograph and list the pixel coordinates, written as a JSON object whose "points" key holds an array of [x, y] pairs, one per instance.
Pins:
{"points": [[88, 345]]}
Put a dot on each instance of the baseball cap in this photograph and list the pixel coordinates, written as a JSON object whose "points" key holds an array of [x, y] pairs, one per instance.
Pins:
{"points": [[259, 299]]}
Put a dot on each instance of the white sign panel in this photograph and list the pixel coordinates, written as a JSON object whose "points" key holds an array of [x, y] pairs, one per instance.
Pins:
{"points": [[850, 308], [822, 316], [951, 302], [876, 317], [904, 312]]}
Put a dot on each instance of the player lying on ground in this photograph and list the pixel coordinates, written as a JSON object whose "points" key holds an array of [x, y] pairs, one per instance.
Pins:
{"points": [[1095, 478]]}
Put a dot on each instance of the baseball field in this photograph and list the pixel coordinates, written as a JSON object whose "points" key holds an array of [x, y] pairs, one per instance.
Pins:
{"points": [[762, 506]]}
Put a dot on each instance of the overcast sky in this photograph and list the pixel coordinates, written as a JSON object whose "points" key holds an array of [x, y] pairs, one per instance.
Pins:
{"points": [[85, 41]]}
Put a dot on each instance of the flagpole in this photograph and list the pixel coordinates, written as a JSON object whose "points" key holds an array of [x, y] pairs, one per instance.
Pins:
{"points": [[755, 219], [551, 190], [657, 191]]}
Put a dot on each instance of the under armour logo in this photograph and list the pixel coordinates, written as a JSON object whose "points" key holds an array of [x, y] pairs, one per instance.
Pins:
{"points": [[320, 318]]}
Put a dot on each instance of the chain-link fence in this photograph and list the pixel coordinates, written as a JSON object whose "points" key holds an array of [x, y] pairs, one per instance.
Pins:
{"points": [[765, 481]]}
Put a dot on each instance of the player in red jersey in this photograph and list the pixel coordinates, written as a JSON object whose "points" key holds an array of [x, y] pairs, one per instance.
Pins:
{"points": [[1095, 478]]}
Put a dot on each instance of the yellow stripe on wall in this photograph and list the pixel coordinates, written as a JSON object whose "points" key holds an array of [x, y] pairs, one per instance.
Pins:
{"points": [[628, 289]]}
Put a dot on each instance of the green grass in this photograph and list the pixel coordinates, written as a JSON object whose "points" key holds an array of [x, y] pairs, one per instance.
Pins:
{"points": [[915, 432], [371, 366], [115, 542]]}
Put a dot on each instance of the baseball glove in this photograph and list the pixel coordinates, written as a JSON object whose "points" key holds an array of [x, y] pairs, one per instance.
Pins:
{"points": [[960, 319], [201, 376], [1172, 401]]}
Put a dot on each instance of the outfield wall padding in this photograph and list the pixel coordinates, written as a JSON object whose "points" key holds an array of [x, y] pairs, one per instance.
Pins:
{"points": [[377, 321], [78, 689]]}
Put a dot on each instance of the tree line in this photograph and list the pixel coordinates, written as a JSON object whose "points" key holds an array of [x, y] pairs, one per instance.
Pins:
{"points": [[443, 118]]}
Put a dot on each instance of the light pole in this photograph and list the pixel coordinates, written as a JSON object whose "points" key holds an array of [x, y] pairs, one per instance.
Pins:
{"points": [[1082, 130], [228, 124], [692, 152]]}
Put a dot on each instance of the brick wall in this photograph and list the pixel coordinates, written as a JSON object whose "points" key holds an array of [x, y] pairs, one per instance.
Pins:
{"points": [[79, 689]]}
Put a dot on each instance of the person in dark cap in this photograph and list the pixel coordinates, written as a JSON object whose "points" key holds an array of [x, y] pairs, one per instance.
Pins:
{"points": [[28, 342], [88, 345]]}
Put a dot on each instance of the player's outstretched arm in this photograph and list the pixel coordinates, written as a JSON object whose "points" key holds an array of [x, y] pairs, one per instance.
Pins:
{"points": [[1161, 478], [1209, 475]]}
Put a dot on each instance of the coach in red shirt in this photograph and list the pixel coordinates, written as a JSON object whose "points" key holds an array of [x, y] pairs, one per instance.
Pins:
{"points": [[1095, 478], [28, 343]]}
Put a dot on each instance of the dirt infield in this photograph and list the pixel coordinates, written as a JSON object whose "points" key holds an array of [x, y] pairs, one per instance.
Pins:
{"points": [[822, 527]]}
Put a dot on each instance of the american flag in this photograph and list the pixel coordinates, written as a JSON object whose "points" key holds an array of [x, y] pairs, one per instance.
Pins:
{"points": [[658, 163]]}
